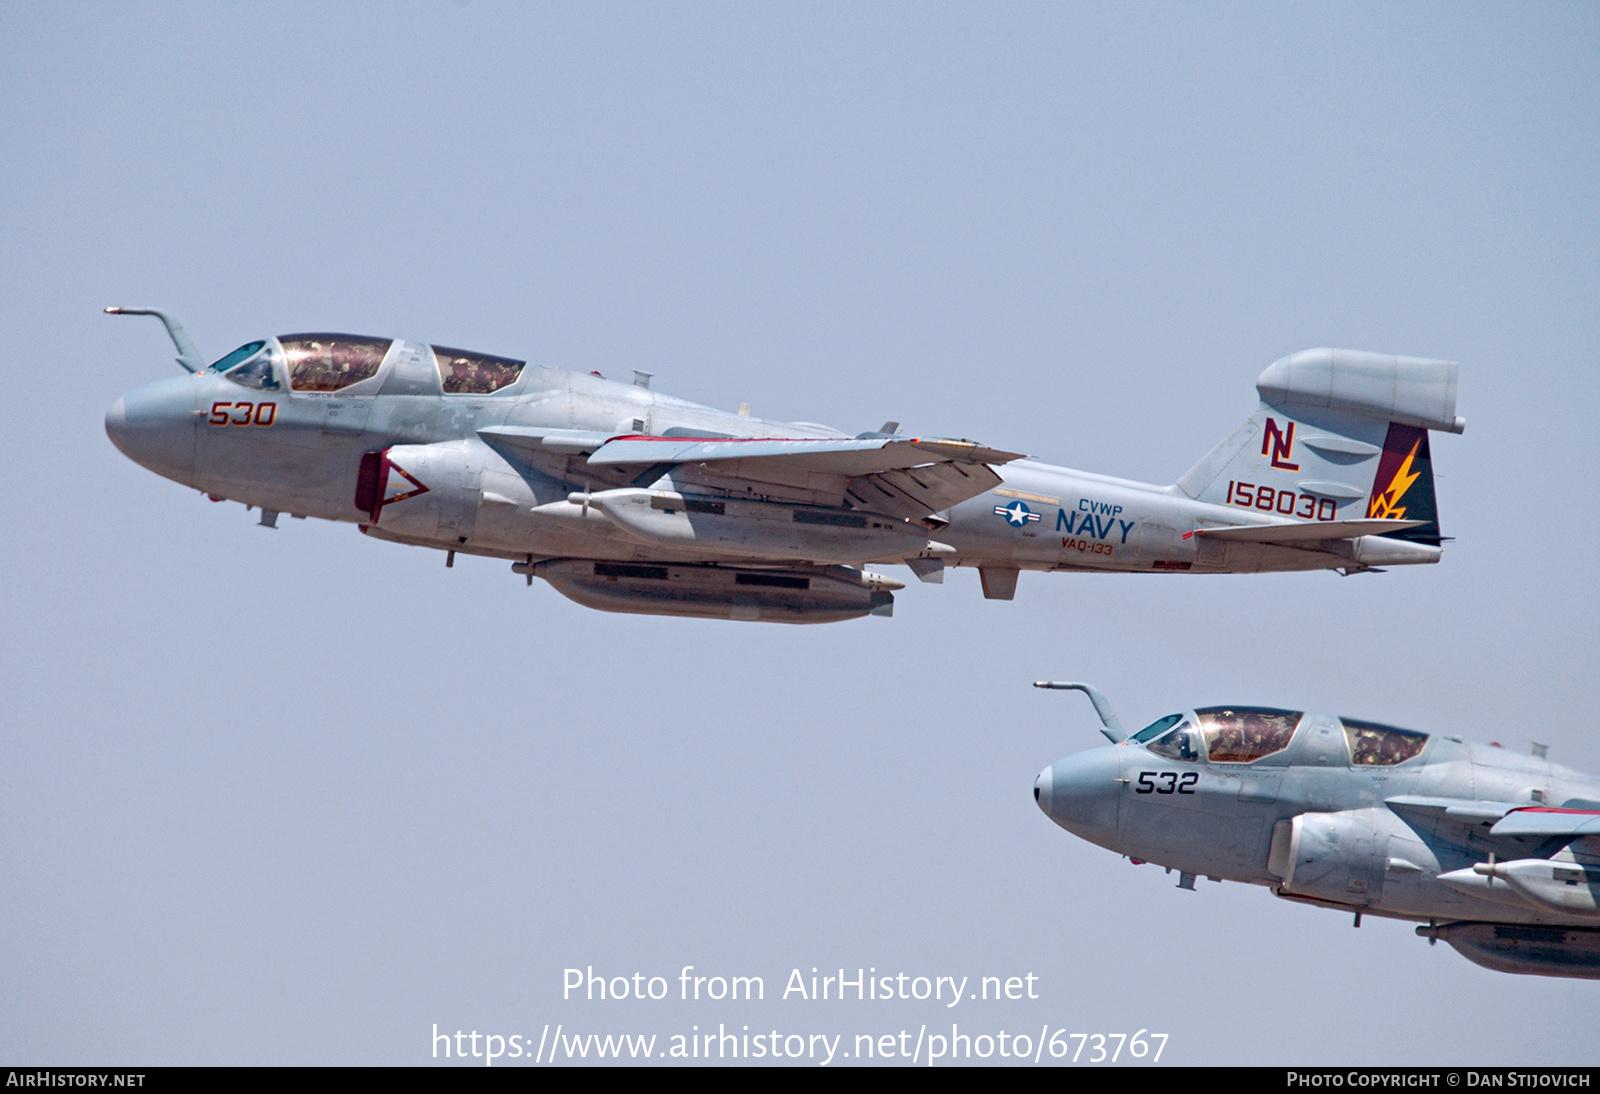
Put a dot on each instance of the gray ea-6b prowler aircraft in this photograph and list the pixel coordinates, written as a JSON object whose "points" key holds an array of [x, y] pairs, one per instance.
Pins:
{"points": [[630, 501], [1496, 853]]}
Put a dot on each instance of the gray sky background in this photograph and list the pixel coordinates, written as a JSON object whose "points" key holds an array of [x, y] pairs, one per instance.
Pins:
{"points": [[295, 796]]}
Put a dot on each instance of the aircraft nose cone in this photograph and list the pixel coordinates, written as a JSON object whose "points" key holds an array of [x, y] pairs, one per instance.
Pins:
{"points": [[116, 424], [155, 426], [1080, 793]]}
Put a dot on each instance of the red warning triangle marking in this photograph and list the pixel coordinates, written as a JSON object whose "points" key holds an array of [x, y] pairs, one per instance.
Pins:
{"points": [[393, 491]]}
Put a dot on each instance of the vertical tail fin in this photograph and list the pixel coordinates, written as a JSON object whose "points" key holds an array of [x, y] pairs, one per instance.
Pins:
{"points": [[1403, 486], [1339, 435]]}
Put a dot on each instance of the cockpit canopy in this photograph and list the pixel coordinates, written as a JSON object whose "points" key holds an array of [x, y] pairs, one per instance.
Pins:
{"points": [[1375, 745], [249, 349], [327, 362], [249, 365], [1230, 735], [1241, 735], [1182, 743], [462, 372], [331, 362]]}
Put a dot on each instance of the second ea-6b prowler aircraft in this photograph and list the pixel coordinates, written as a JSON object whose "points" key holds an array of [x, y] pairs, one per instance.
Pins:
{"points": [[630, 501], [1496, 853]]}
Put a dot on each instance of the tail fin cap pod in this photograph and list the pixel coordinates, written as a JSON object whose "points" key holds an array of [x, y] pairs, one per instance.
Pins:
{"points": [[1339, 436], [1413, 390]]}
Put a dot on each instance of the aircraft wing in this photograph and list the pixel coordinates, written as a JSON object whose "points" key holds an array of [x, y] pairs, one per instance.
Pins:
{"points": [[1457, 809], [842, 455], [898, 477], [1548, 821], [538, 440], [1310, 531], [1504, 820]]}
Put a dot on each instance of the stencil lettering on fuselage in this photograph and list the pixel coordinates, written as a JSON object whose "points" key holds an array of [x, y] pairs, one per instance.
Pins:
{"points": [[1096, 520]]}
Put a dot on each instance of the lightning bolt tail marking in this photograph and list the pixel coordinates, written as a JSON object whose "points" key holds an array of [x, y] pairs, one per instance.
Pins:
{"points": [[1387, 505]]}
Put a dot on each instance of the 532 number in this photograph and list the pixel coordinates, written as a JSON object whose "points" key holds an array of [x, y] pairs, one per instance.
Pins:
{"points": [[1166, 782]]}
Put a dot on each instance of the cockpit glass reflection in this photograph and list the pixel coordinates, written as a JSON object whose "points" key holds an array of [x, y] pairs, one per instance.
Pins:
{"points": [[1375, 745], [247, 350], [256, 373], [465, 373], [1156, 728], [1179, 744], [1238, 735], [331, 362]]}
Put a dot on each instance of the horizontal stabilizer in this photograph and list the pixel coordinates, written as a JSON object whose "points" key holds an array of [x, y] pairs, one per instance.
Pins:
{"points": [[1307, 532]]}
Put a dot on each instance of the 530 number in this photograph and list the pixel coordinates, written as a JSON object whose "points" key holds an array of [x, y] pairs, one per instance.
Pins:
{"points": [[243, 414]]}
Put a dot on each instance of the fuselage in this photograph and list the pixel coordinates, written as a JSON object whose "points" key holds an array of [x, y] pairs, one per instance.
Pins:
{"points": [[1331, 811], [295, 442]]}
